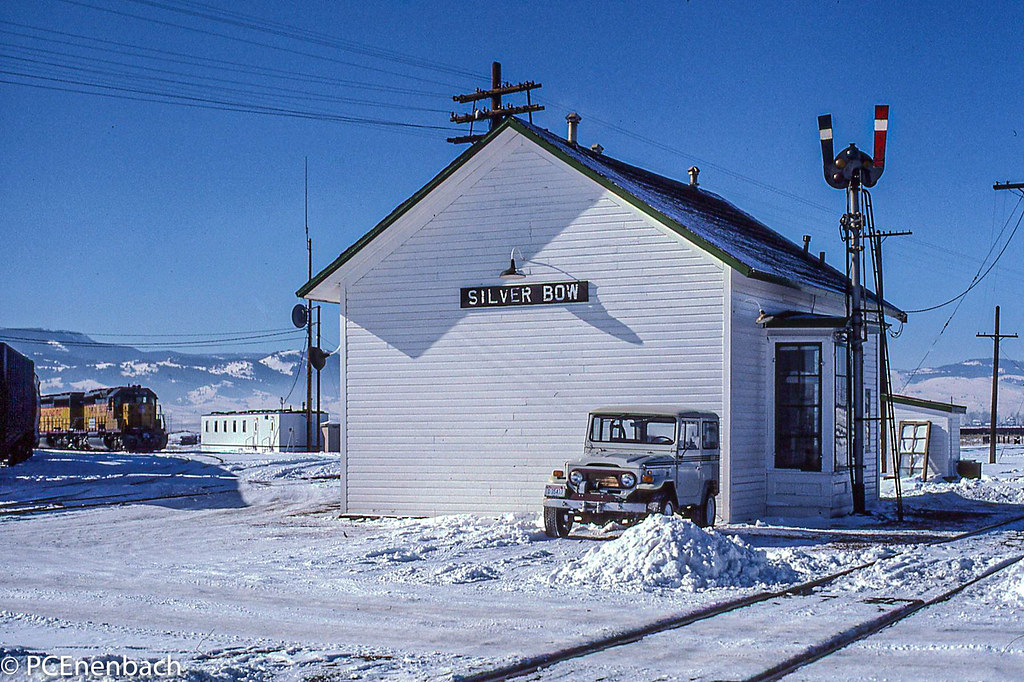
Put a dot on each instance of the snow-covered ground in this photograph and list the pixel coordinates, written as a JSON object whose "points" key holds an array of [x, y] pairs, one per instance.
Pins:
{"points": [[238, 567]]}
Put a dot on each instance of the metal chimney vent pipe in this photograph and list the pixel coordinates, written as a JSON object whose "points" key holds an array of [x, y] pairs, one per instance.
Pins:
{"points": [[573, 119], [807, 243], [694, 172]]}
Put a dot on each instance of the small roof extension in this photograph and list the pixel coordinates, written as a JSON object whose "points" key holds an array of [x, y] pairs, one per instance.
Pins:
{"points": [[702, 217]]}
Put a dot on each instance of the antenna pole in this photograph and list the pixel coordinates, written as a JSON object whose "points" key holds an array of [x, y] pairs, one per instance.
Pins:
{"points": [[309, 318], [995, 386]]}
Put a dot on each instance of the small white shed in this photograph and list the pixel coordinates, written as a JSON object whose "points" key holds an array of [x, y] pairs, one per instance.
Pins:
{"points": [[465, 379], [256, 431], [939, 423]]}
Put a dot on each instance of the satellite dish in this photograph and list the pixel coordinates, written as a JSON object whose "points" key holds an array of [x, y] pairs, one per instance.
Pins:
{"points": [[318, 358], [299, 315]]}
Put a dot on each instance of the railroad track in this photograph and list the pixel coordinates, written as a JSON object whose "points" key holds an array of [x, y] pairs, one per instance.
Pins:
{"points": [[737, 609], [44, 505]]}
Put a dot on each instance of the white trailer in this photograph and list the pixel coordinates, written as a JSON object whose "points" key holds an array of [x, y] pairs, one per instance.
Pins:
{"points": [[257, 431]]}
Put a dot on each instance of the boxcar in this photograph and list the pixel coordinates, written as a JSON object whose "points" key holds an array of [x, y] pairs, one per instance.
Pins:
{"points": [[19, 406]]}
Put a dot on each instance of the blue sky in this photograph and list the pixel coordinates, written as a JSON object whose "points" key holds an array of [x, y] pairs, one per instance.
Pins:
{"points": [[129, 217]]}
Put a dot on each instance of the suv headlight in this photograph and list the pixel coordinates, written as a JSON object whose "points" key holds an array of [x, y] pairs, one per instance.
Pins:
{"points": [[628, 480], [576, 477]]}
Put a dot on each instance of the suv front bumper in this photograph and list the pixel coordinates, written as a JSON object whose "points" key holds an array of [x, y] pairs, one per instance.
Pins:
{"points": [[598, 507]]}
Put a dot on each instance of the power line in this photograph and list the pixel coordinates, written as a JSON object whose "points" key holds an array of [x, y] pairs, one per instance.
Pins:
{"points": [[253, 42], [206, 62], [978, 276], [960, 299], [313, 37], [286, 93], [209, 103], [251, 339]]}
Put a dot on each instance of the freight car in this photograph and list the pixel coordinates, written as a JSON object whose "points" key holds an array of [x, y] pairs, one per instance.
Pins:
{"points": [[19, 406], [121, 418]]}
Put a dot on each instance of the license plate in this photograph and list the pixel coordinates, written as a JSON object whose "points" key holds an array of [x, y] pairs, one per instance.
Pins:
{"points": [[554, 491]]}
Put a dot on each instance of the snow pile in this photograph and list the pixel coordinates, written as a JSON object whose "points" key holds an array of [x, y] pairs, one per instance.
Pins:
{"points": [[997, 490], [669, 552]]}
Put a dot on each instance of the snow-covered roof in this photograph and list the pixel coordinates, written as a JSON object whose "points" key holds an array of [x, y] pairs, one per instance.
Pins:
{"points": [[702, 217]]}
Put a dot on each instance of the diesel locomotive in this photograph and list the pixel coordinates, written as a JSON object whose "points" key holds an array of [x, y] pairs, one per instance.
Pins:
{"points": [[19, 406], [121, 418]]}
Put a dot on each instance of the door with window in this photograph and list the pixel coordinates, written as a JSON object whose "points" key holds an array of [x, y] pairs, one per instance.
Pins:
{"points": [[688, 463]]}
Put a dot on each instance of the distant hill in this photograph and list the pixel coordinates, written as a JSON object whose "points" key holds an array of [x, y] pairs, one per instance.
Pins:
{"points": [[969, 383], [190, 384], [187, 385]]}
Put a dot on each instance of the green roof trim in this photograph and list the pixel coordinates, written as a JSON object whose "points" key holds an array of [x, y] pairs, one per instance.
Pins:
{"points": [[511, 122], [609, 184], [911, 401]]}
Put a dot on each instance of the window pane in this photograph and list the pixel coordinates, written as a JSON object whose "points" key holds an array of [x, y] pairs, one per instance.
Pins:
{"points": [[691, 436], [798, 406], [633, 429], [710, 440]]}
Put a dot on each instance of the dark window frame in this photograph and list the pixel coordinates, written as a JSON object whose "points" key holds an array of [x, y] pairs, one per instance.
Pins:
{"points": [[784, 458]]}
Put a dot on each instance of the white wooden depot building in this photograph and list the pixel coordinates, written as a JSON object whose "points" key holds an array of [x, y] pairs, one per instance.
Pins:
{"points": [[462, 390]]}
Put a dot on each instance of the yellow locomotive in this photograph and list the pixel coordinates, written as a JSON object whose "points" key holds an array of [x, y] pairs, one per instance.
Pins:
{"points": [[120, 418]]}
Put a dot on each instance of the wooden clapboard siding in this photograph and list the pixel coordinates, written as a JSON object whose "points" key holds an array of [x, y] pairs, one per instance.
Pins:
{"points": [[751, 451], [450, 410]]}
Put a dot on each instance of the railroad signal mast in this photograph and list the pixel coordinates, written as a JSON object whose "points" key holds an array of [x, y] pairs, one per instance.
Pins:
{"points": [[497, 112], [853, 170]]}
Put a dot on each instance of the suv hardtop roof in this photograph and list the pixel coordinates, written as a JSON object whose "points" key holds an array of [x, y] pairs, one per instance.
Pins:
{"points": [[653, 411]]}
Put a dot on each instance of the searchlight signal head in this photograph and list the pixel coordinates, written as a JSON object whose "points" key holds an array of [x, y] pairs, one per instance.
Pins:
{"points": [[852, 167]]}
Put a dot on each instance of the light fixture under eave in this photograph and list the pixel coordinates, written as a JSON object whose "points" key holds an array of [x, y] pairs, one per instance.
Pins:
{"points": [[512, 272]]}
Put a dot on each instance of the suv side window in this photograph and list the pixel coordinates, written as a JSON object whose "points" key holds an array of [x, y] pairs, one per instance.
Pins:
{"points": [[688, 436], [710, 436]]}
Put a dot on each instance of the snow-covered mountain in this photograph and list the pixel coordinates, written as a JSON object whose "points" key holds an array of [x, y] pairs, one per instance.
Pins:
{"points": [[190, 384], [187, 385], [970, 383]]}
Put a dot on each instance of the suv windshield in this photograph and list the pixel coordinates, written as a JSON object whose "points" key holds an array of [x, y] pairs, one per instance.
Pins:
{"points": [[633, 429]]}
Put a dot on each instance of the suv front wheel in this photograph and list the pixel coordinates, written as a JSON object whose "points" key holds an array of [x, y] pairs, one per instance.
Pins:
{"points": [[557, 522]]}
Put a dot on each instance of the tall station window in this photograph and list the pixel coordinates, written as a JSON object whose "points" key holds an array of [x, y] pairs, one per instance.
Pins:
{"points": [[843, 423], [798, 406]]}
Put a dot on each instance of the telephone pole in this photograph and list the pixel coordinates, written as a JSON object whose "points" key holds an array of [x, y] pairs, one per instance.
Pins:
{"points": [[996, 336], [309, 319], [498, 111]]}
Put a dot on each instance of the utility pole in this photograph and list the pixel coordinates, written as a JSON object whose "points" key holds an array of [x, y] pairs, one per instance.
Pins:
{"points": [[497, 112], [319, 432], [1008, 185], [996, 336], [309, 320]]}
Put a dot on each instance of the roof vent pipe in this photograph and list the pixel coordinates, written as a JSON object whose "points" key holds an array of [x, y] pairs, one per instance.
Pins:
{"points": [[807, 243], [573, 119], [821, 256], [694, 172], [596, 148]]}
